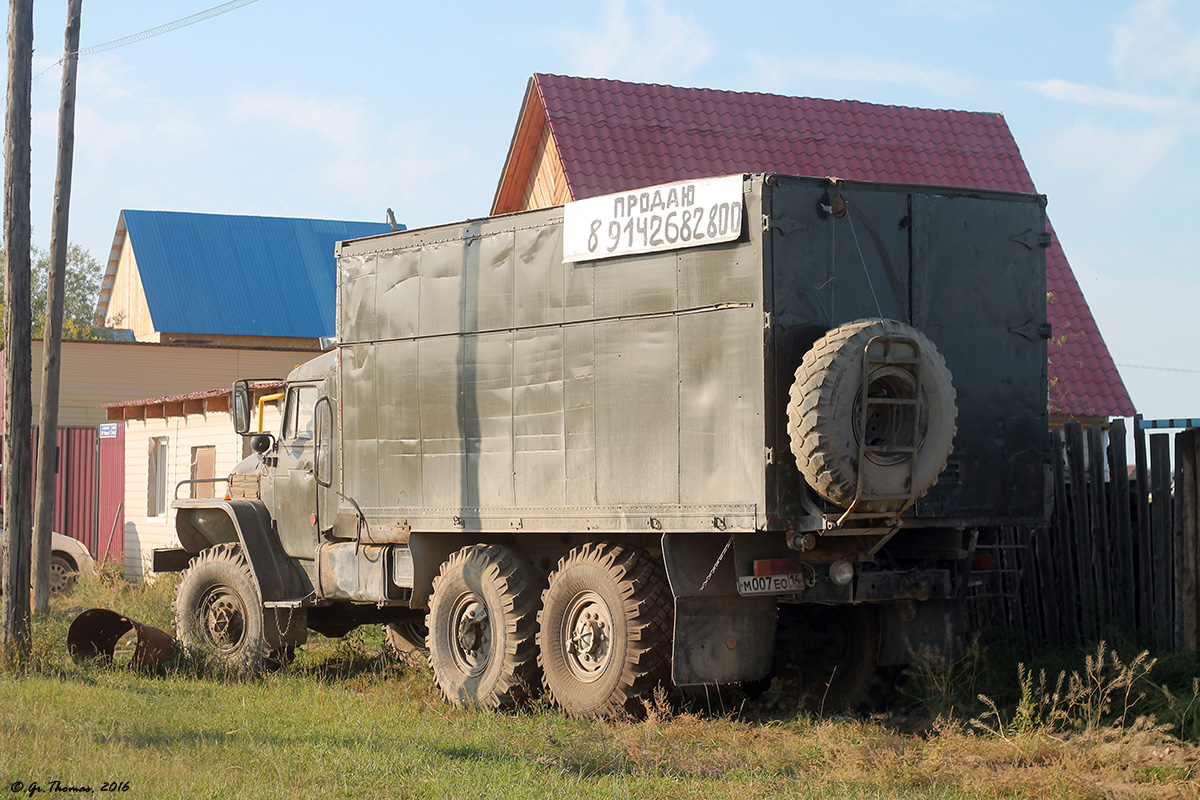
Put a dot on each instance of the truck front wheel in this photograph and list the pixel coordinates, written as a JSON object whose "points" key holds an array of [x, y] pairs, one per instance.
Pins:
{"points": [[218, 611], [483, 627], [605, 630]]}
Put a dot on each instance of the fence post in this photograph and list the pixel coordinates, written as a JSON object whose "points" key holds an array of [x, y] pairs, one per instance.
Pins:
{"points": [[1145, 559], [1162, 543], [1124, 550]]}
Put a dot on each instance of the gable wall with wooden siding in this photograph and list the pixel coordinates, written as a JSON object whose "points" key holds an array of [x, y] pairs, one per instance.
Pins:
{"points": [[547, 185], [143, 532], [127, 306], [533, 175]]}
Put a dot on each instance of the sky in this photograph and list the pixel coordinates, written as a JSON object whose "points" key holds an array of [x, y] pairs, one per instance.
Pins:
{"points": [[299, 108]]}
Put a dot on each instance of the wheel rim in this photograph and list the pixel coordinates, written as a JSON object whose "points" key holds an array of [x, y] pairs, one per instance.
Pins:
{"points": [[224, 617], [587, 631], [60, 577], [888, 425], [470, 634]]}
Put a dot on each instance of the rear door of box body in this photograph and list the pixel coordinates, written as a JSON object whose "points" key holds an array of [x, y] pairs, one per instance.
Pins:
{"points": [[968, 270]]}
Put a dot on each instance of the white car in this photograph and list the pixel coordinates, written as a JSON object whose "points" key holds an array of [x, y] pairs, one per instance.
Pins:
{"points": [[68, 558]]}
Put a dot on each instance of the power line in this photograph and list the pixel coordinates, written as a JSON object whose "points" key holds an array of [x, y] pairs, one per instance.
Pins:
{"points": [[150, 33], [1161, 369]]}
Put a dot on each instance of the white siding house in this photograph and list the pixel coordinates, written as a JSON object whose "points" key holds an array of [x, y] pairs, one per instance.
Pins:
{"points": [[168, 441]]}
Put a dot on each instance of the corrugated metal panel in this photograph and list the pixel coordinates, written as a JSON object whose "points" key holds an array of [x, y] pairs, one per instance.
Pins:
{"points": [[239, 275], [78, 499], [96, 373], [110, 535], [74, 484]]}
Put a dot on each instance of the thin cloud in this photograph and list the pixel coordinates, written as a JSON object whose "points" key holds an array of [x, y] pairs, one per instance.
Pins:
{"points": [[346, 156], [1096, 97], [1077, 151], [1155, 46], [656, 45]]}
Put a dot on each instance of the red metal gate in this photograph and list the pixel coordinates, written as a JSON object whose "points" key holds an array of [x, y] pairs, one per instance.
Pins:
{"points": [[110, 535], [89, 488]]}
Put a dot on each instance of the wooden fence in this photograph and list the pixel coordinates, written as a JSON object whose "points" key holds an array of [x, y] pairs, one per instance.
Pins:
{"points": [[1120, 559]]}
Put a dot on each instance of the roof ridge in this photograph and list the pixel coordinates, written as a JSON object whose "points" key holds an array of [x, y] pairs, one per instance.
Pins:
{"points": [[247, 216], [860, 103]]}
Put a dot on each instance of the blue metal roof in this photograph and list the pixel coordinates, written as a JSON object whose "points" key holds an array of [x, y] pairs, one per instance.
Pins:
{"points": [[239, 275]]}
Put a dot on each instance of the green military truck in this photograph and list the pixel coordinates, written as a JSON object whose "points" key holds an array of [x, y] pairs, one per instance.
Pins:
{"points": [[645, 438]]}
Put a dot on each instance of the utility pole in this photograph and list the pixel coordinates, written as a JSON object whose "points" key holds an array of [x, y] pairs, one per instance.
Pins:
{"points": [[17, 330], [43, 516]]}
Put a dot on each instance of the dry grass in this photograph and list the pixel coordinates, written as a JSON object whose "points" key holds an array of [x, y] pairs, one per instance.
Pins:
{"points": [[344, 721]]}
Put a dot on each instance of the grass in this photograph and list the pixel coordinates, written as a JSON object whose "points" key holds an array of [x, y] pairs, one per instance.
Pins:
{"points": [[345, 722]]}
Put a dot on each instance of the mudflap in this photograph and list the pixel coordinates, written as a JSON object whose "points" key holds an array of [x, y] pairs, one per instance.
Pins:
{"points": [[722, 639], [720, 636]]}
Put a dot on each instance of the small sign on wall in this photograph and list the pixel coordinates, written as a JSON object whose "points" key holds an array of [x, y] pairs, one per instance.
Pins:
{"points": [[108, 430]]}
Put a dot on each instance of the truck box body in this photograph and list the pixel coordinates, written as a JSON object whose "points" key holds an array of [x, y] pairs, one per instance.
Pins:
{"points": [[488, 385]]}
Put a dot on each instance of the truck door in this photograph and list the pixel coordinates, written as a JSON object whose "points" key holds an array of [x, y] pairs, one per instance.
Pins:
{"points": [[295, 495]]}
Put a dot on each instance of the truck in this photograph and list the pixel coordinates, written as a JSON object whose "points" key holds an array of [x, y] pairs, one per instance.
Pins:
{"points": [[685, 435]]}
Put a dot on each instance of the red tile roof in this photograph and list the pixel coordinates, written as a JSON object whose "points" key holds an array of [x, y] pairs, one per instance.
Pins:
{"points": [[612, 136]]}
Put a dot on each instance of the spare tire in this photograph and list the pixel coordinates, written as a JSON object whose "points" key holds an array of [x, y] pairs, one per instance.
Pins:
{"points": [[825, 408]]}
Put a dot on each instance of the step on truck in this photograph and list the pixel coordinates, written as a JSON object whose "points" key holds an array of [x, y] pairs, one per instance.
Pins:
{"points": [[690, 434]]}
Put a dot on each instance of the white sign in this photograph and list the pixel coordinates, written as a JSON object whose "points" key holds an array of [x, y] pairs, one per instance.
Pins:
{"points": [[667, 217], [108, 430]]}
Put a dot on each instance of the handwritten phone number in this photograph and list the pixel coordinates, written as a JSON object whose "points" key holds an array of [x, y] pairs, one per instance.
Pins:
{"points": [[659, 230]]}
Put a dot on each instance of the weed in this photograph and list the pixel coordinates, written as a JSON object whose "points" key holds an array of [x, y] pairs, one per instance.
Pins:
{"points": [[942, 685], [1098, 702]]}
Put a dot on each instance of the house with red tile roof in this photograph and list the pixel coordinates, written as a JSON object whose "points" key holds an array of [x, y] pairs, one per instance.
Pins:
{"points": [[581, 137]]}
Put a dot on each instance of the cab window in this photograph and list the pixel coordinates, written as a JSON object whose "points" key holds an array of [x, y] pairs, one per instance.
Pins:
{"points": [[298, 422]]}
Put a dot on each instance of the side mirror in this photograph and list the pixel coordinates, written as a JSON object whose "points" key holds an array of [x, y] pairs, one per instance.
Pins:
{"points": [[262, 443], [241, 407]]}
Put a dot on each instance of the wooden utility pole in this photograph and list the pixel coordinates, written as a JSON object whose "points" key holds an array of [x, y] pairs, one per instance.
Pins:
{"points": [[17, 329], [47, 464]]}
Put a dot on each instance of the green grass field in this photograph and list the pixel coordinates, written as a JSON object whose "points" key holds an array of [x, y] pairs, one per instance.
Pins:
{"points": [[344, 721]]}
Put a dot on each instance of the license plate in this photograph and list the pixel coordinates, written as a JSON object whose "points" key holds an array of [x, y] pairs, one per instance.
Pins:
{"points": [[770, 584]]}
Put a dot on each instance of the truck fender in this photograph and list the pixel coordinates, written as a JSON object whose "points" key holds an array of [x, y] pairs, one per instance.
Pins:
{"points": [[201, 524], [720, 636], [429, 551]]}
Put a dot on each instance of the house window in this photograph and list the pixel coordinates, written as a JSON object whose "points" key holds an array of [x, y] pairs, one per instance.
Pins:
{"points": [[156, 494], [204, 467]]}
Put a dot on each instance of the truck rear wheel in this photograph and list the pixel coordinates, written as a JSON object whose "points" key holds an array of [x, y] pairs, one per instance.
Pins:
{"points": [[483, 627], [218, 612], [404, 639], [827, 660], [605, 631], [826, 407]]}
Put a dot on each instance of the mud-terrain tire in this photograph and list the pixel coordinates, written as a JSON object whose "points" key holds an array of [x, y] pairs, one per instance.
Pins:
{"points": [[482, 625], [824, 415], [405, 639], [218, 612], [63, 573], [827, 660], [604, 638]]}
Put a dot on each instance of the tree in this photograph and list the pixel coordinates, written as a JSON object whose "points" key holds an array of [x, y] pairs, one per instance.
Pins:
{"points": [[83, 278]]}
